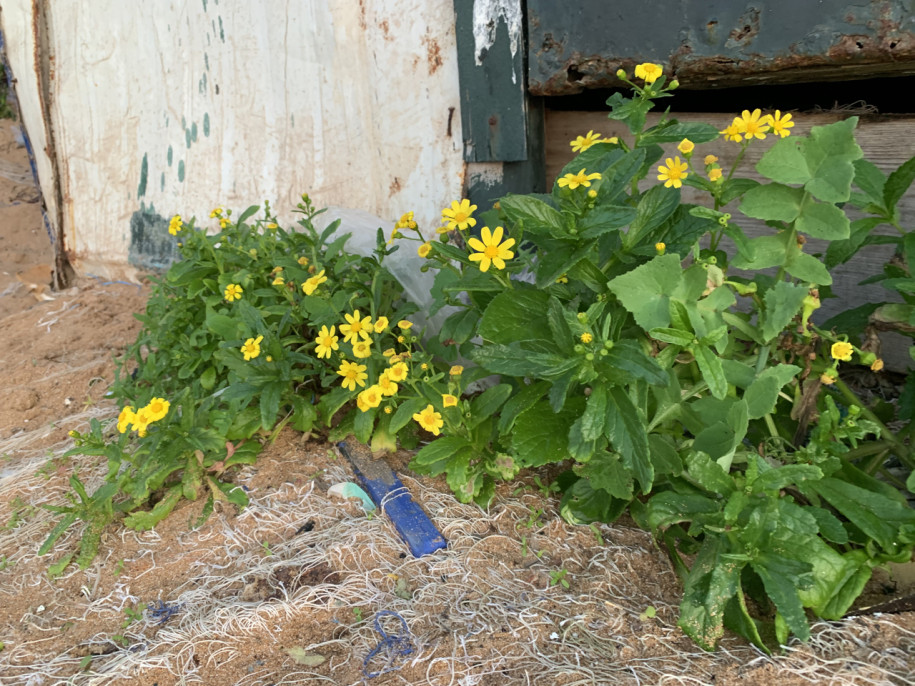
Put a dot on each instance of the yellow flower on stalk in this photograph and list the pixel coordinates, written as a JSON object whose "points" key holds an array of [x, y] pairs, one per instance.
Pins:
{"points": [[126, 418], [424, 249], [356, 327], [732, 132], [674, 173], [828, 378], [449, 400], [252, 348], [157, 408], [406, 221], [456, 370], [380, 324], [272, 225], [573, 181], [278, 281], [710, 159], [397, 372], [360, 403], [389, 352], [353, 374], [459, 215], [841, 350], [303, 261], [233, 292], [311, 284], [371, 397], [387, 409], [780, 124], [491, 249], [592, 193], [216, 213], [586, 337], [686, 146], [752, 124], [714, 174], [386, 384], [362, 349], [582, 143], [877, 365], [224, 222], [648, 71], [404, 324], [660, 248], [175, 225], [430, 420], [141, 422], [327, 342]]}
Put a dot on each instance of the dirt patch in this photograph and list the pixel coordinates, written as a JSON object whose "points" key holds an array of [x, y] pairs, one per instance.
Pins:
{"points": [[299, 577]]}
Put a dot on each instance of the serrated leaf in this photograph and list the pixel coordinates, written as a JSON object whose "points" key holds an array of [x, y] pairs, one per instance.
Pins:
{"points": [[762, 393], [784, 162], [488, 403], [605, 471], [783, 302], [626, 431], [871, 180], [515, 361], [898, 183], [711, 369], [515, 315], [654, 208], [672, 336], [675, 131], [712, 582], [592, 421], [823, 220], [523, 400], [540, 435], [773, 201], [405, 411], [583, 504], [439, 450], [646, 290], [829, 525], [533, 214], [605, 218], [628, 357], [782, 576]]}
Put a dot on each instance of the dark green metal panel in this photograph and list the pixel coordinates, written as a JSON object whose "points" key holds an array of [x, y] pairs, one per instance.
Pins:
{"points": [[580, 44]]}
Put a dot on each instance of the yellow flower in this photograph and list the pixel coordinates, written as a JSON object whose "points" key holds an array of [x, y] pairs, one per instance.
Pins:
{"points": [[592, 193], [780, 124], [710, 159], [386, 384], [714, 174], [395, 359], [381, 324], [362, 349], [404, 324], [456, 370], [360, 403], [371, 397], [564, 278], [278, 281], [449, 400], [253, 253], [395, 234], [269, 358], [827, 378], [311, 284], [356, 327], [157, 408], [841, 350], [126, 418], [661, 248], [326, 341], [216, 213], [389, 352], [397, 372], [751, 125], [732, 132], [459, 215], [303, 261], [224, 222], [582, 143], [424, 366], [405, 222], [573, 181], [141, 422], [877, 365], [252, 348], [430, 420], [175, 225], [491, 250], [388, 410], [674, 173], [613, 139], [686, 146], [233, 292], [271, 225], [648, 71], [586, 337], [352, 374], [401, 339], [424, 249]]}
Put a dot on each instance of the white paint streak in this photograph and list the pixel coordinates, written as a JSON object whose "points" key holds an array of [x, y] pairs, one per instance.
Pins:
{"points": [[486, 17]]}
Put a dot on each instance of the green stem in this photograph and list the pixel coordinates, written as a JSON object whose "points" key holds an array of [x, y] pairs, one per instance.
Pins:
{"points": [[770, 423], [897, 446], [743, 150], [874, 463]]}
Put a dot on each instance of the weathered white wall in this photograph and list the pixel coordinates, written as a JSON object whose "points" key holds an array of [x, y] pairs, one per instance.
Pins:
{"points": [[162, 108]]}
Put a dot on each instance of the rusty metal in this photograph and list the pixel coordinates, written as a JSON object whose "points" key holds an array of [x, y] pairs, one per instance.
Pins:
{"points": [[715, 44]]}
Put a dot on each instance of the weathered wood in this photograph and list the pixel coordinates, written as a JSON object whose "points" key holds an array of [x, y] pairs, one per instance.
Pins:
{"points": [[887, 142]]}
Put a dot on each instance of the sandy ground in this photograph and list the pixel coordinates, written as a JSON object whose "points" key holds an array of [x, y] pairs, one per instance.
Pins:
{"points": [[288, 590]]}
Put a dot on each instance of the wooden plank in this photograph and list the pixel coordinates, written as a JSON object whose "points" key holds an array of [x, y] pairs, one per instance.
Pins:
{"points": [[887, 142]]}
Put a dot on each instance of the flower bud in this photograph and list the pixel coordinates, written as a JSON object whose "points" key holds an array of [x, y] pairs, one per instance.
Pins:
{"points": [[589, 357], [583, 317], [621, 73], [674, 85], [579, 348]]}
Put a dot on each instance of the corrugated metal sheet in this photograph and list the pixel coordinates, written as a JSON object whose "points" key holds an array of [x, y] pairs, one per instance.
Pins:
{"points": [[155, 109]]}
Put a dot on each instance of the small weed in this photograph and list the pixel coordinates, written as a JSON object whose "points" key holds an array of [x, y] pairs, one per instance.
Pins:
{"points": [[266, 547], [133, 615], [596, 532], [546, 490], [357, 612], [119, 569], [533, 520], [559, 577], [649, 613], [5, 562], [85, 662]]}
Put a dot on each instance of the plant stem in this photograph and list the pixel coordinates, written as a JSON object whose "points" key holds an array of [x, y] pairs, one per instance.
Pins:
{"points": [[899, 448]]}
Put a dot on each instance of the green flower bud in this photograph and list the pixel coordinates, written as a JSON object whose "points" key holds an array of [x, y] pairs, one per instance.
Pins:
{"points": [[608, 345], [589, 357], [583, 317], [579, 348]]}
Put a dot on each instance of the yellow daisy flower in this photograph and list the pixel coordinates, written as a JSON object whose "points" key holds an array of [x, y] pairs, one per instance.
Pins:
{"points": [[126, 418], [424, 249], [430, 420], [780, 124], [386, 384], [459, 215], [157, 408], [648, 71], [175, 224], [371, 397], [573, 181], [233, 292], [312, 283], [353, 374], [841, 350], [252, 348], [356, 327], [732, 132], [327, 342], [449, 400], [397, 372], [362, 349], [686, 146], [491, 249], [674, 173], [752, 124], [582, 143]]}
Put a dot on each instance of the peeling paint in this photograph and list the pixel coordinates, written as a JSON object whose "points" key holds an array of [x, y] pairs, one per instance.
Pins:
{"points": [[194, 132], [486, 17], [162, 182], [206, 125], [169, 156], [144, 173], [181, 170], [151, 245], [222, 33]]}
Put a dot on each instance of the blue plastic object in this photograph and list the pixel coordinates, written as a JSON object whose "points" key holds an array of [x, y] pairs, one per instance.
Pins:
{"points": [[393, 498], [393, 646]]}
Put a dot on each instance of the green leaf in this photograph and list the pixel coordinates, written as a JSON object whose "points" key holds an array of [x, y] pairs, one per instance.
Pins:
{"points": [[784, 476], [668, 508], [654, 208], [405, 412], [461, 326], [531, 213], [734, 188], [627, 356], [664, 456], [782, 576], [605, 218], [248, 213], [764, 252], [672, 336], [363, 425], [592, 421], [710, 366], [559, 261], [515, 315], [523, 400], [557, 316], [618, 176], [829, 152], [630, 111], [898, 183], [783, 302], [737, 618], [606, 472], [708, 474], [515, 361], [773, 201], [871, 180], [829, 525], [822, 220], [540, 435], [645, 290], [709, 587], [675, 131], [488, 403], [221, 325], [784, 162], [439, 450], [626, 430], [762, 393], [808, 268], [583, 504], [144, 521], [56, 532]]}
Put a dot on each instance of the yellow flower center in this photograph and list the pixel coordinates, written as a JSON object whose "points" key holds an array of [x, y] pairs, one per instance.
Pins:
{"points": [[492, 251], [429, 420]]}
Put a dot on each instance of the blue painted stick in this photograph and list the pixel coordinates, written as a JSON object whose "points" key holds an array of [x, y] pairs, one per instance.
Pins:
{"points": [[393, 498]]}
